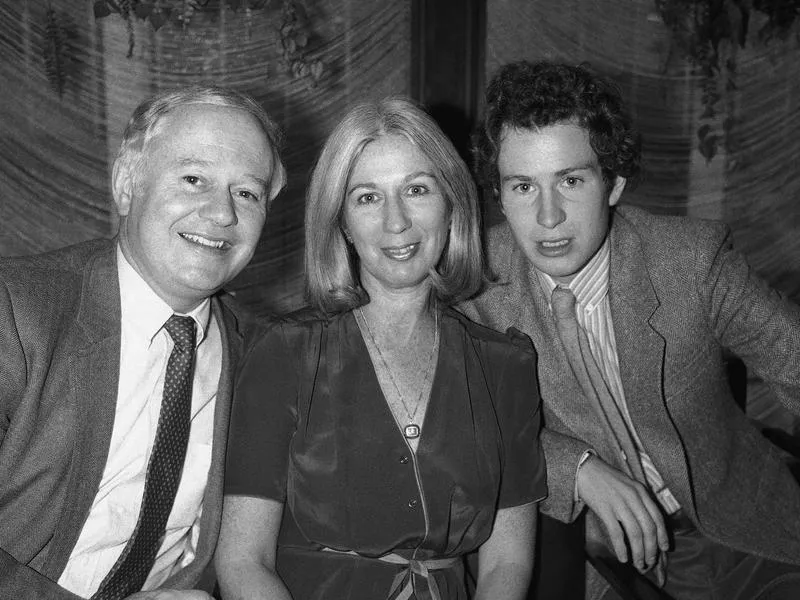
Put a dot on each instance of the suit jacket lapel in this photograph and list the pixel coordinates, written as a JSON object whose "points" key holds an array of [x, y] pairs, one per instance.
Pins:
{"points": [[94, 377], [526, 306], [640, 348]]}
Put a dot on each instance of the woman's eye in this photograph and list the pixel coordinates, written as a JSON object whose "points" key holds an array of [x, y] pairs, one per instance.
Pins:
{"points": [[417, 190], [366, 198]]}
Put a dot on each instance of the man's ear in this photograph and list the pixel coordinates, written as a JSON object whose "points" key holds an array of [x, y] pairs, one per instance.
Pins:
{"points": [[122, 187], [616, 190]]}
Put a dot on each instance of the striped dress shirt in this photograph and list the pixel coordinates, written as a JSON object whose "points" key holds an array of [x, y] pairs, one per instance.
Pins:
{"points": [[593, 312]]}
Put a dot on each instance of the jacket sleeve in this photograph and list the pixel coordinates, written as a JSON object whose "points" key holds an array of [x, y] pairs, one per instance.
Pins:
{"points": [[23, 583], [562, 455], [12, 363], [17, 580], [752, 320]]}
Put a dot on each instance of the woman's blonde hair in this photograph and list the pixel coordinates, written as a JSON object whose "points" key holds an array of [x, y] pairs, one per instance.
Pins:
{"points": [[331, 266]]}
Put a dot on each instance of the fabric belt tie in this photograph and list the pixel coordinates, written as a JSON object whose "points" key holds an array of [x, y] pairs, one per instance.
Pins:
{"points": [[403, 583]]}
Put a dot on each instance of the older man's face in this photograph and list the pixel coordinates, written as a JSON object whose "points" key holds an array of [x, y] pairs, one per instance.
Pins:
{"points": [[192, 216]]}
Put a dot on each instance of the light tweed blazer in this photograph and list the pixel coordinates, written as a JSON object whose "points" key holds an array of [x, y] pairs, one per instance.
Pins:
{"points": [[59, 369], [679, 296]]}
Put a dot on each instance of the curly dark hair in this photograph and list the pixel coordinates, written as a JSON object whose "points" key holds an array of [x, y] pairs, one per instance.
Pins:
{"points": [[528, 95]]}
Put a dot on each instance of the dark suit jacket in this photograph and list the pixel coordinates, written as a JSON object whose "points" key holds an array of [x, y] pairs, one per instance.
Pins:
{"points": [[679, 296], [59, 370]]}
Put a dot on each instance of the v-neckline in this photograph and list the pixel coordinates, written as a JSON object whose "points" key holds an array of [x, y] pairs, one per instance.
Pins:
{"points": [[425, 422]]}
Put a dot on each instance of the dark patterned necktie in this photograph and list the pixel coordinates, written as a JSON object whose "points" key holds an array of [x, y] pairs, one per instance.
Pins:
{"points": [[164, 470]]}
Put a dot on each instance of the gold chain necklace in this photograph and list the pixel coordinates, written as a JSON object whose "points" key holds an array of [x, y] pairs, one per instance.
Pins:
{"points": [[412, 430]]}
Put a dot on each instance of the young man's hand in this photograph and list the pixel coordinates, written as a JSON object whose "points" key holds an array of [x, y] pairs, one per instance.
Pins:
{"points": [[626, 509]]}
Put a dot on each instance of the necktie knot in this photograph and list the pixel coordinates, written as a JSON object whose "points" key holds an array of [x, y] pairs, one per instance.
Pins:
{"points": [[563, 301], [181, 330]]}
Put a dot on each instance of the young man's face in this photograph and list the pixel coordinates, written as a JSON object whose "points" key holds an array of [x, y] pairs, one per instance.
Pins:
{"points": [[553, 195]]}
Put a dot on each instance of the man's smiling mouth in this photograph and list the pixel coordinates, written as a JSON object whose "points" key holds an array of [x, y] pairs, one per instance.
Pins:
{"points": [[202, 241]]}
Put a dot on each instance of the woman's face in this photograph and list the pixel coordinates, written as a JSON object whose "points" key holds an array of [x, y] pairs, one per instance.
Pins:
{"points": [[396, 215]]}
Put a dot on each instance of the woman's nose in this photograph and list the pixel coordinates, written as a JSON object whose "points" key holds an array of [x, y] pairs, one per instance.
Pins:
{"points": [[395, 218]]}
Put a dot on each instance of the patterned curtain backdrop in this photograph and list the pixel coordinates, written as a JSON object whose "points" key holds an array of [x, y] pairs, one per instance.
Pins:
{"points": [[68, 88], [751, 183]]}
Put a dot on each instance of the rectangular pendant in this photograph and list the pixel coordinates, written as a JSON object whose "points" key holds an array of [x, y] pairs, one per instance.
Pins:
{"points": [[411, 431]]}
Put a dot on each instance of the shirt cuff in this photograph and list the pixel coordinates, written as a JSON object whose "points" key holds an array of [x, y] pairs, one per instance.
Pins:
{"points": [[584, 457]]}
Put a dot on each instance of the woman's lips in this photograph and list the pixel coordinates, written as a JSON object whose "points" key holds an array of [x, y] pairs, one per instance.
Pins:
{"points": [[401, 252]]}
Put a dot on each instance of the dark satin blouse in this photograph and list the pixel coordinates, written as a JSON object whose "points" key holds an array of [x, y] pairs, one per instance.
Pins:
{"points": [[311, 428]]}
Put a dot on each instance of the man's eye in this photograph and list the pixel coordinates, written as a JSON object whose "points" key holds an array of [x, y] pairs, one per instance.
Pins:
{"points": [[572, 181], [523, 187], [191, 179], [247, 195]]}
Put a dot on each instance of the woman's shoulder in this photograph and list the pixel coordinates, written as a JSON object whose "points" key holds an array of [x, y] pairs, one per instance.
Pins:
{"points": [[295, 327], [512, 339]]}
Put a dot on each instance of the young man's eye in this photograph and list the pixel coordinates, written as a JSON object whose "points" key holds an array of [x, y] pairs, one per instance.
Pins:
{"points": [[523, 188], [572, 181]]}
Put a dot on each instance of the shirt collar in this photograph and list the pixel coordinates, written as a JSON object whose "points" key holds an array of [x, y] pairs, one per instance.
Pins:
{"points": [[145, 311], [590, 284]]}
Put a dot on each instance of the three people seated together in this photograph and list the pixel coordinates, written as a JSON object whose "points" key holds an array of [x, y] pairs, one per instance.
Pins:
{"points": [[398, 437]]}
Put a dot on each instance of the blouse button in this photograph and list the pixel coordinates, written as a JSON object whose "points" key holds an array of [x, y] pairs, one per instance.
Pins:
{"points": [[404, 459], [413, 503]]}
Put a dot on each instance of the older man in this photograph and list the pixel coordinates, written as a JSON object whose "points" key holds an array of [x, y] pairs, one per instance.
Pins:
{"points": [[117, 360]]}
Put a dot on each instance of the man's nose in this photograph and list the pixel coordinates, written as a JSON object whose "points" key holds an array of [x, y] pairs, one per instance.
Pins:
{"points": [[220, 208], [550, 213]]}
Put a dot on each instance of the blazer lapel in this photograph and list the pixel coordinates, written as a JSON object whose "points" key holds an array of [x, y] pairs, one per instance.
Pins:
{"points": [[94, 377], [526, 306], [640, 348]]}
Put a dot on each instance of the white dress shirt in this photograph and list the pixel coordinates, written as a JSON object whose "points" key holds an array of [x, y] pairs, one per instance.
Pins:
{"points": [[144, 350], [593, 312]]}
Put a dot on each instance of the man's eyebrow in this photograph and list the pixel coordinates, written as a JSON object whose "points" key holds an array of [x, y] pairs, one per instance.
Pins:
{"points": [[587, 166], [192, 161], [258, 179], [187, 161], [520, 177]]}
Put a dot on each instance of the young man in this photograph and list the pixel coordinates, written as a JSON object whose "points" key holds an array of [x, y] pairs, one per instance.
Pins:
{"points": [[631, 315], [118, 357]]}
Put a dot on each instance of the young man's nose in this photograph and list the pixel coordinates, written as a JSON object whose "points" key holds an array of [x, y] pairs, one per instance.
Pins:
{"points": [[550, 212]]}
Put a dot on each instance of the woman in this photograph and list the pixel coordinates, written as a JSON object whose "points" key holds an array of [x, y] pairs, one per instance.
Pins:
{"points": [[380, 438]]}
